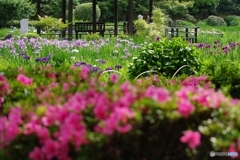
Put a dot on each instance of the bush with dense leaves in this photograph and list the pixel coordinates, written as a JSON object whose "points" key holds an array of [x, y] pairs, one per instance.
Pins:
{"points": [[231, 20], [215, 21], [84, 12], [183, 23], [15, 10], [190, 18], [166, 57]]}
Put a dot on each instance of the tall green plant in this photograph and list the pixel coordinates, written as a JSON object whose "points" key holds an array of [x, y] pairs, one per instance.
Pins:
{"points": [[152, 30], [49, 24]]}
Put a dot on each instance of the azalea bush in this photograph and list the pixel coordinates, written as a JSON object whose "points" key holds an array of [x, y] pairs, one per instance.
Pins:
{"points": [[50, 114]]}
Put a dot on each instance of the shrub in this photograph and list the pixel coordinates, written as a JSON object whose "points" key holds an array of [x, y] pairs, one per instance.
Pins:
{"points": [[84, 12], [225, 74], [231, 20], [4, 32], [183, 23], [152, 30], [215, 21], [14, 23], [166, 57], [49, 24], [168, 21], [94, 36], [190, 18], [30, 35], [51, 114], [201, 23]]}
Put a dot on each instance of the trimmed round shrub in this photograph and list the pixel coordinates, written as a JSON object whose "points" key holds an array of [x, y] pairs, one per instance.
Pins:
{"points": [[215, 21], [190, 18], [231, 20], [166, 57], [84, 12], [183, 23]]}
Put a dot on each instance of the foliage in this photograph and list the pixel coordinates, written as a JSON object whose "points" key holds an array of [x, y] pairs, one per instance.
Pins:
{"points": [[84, 12], [66, 103], [203, 8], [49, 24], [227, 7], [100, 55], [174, 7], [222, 65], [215, 21], [190, 18], [166, 57], [183, 23], [225, 73], [94, 36], [201, 23], [232, 20], [151, 30], [15, 10], [29, 35], [3, 32], [168, 21]]}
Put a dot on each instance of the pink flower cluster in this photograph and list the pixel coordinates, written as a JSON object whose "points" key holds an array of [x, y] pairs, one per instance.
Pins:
{"points": [[4, 86], [9, 129], [159, 94], [196, 81], [24, 80], [187, 96], [235, 148], [4, 90], [193, 139]]}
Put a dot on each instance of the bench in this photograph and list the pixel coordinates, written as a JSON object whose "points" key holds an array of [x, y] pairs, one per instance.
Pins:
{"points": [[88, 27], [189, 33]]}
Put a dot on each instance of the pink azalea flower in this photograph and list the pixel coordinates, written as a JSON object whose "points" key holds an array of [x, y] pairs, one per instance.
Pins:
{"points": [[185, 92], [3, 123], [12, 131], [24, 79], [139, 81], [4, 86], [158, 94], [185, 108], [15, 115], [65, 86], [232, 148], [50, 148], [113, 78], [124, 129], [191, 138], [36, 154], [84, 72]]}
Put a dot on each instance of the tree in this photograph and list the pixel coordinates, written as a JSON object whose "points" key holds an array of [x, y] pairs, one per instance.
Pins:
{"points": [[203, 8], [84, 12], [175, 8], [15, 10], [49, 24]]}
